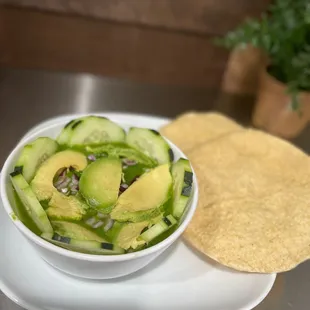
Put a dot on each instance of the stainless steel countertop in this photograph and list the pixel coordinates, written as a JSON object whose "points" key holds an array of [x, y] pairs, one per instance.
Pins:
{"points": [[28, 97]]}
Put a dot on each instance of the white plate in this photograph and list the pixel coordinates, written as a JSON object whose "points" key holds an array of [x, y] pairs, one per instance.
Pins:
{"points": [[178, 279]]}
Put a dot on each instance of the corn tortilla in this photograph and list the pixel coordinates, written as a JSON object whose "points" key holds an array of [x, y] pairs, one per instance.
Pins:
{"points": [[193, 128], [254, 206]]}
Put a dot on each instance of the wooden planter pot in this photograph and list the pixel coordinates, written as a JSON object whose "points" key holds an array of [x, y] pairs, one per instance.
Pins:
{"points": [[274, 111]]}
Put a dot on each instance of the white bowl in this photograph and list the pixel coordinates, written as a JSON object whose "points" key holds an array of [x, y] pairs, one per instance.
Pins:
{"points": [[79, 264]]}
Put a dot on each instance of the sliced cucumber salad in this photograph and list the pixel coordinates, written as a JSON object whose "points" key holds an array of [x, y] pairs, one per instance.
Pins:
{"points": [[101, 190]]}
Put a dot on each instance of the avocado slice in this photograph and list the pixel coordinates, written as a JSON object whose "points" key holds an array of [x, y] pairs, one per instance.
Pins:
{"points": [[125, 235], [138, 216], [66, 207], [75, 231], [59, 205], [42, 184], [144, 198], [100, 182]]}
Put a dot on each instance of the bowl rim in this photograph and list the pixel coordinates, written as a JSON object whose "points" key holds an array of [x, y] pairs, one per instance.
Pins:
{"points": [[77, 255]]}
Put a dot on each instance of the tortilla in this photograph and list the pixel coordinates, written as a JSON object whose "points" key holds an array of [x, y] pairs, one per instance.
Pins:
{"points": [[191, 129], [254, 202]]}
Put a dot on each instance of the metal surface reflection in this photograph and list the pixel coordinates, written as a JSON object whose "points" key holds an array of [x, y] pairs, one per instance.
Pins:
{"points": [[29, 97], [84, 95]]}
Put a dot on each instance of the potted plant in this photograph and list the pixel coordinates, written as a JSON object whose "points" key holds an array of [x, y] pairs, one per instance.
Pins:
{"points": [[283, 34]]}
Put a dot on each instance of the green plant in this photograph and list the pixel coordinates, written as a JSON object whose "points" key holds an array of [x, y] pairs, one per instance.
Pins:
{"points": [[283, 33]]}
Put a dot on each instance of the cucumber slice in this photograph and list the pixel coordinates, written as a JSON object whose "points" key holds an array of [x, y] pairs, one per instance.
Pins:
{"points": [[95, 130], [100, 182], [182, 175], [65, 134], [30, 202], [89, 247], [125, 234], [151, 143], [75, 231], [159, 228], [33, 155]]}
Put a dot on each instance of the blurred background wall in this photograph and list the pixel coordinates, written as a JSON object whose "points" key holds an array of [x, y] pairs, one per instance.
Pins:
{"points": [[157, 41]]}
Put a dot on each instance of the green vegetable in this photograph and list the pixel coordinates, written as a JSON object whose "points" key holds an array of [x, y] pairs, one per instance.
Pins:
{"points": [[283, 33], [120, 150], [31, 203], [156, 230], [143, 199], [100, 181], [182, 186], [75, 231], [83, 246], [99, 191], [150, 143], [95, 130], [33, 155]]}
